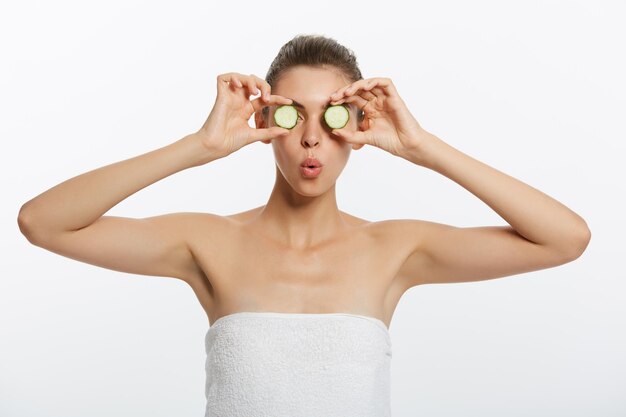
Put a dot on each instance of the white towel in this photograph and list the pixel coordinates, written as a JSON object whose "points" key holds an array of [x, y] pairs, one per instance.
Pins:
{"points": [[270, 364]]}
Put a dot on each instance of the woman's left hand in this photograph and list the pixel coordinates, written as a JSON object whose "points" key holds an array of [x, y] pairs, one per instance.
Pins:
{"points": [[388, 124]]}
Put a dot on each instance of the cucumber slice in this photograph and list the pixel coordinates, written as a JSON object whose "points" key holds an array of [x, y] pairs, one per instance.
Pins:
{"points": [[286, 116], [337, 116]]}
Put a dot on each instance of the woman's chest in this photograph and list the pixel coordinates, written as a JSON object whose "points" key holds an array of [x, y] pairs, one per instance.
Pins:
{"points": [[354, 273]]}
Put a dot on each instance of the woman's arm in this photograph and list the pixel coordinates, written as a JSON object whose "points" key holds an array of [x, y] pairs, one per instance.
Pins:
{"points": [[389, 125], [534, 215], [68, 218], [542, 232], [81, 200]]}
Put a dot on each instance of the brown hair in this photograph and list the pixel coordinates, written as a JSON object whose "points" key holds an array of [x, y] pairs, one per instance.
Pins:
{"points": [[315, 51]]}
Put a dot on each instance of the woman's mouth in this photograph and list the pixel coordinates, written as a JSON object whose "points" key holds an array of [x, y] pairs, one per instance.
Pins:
{"points": [[310, 171]]}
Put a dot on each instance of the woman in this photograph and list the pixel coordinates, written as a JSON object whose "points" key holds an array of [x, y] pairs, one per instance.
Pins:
{"points": [[301, 327]]}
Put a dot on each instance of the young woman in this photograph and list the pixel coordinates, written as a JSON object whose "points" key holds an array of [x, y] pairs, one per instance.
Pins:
{"points": [[300, 328]]}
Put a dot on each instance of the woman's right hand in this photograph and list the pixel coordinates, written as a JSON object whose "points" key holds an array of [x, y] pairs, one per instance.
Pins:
{"points": [[226, 129]]}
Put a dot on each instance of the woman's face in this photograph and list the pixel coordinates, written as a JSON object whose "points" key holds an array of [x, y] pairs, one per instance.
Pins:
{"points": [[311, 137]]}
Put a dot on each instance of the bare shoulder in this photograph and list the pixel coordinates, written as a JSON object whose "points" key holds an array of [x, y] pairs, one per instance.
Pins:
{"points": [[247, 215], [395, 235], [355, 221], [205, 225], [399, 230], [396, 230], [444, 253], [194, 221]]}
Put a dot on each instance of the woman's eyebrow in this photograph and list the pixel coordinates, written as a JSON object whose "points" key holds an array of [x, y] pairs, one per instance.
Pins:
{"points": [[301, 106]]}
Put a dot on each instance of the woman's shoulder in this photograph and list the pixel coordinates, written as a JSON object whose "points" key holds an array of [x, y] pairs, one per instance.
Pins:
{"points": [[244, 216], [385, 226]]}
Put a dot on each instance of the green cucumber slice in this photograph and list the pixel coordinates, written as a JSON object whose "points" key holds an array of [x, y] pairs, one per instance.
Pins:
{"points": [[286, 116], [337, 116]]}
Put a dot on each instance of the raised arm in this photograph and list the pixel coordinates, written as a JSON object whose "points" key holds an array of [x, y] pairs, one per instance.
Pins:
{"points": [[68, 218], [542, 232]]}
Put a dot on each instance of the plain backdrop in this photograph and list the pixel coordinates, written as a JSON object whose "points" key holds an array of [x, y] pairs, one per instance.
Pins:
{"points": [[534, 89]]}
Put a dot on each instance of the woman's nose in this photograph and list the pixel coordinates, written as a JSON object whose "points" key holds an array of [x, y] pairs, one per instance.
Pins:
{"points": [[313, 133], [310, 141]]}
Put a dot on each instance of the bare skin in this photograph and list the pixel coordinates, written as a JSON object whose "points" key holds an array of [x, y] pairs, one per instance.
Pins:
{"points": [[299, 253], [351, 272]]}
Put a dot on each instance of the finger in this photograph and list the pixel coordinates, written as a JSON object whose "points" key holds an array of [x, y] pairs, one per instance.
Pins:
{"points": [[385, 86], [278, 99], [365, 90], [251, 86], [370, 91], [360, 103], [234, 82], [258, 105], [234, 79], [267, 133], [356, 86], [245, 82], [264, 86], [256, 85], [380, 91], [227, 80], [350, 88], [368, 95], [339, 93], [359, 99], [354, 137]]}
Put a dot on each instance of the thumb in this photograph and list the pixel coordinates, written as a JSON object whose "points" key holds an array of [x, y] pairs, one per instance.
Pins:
{"points": [[267, 133], [356, 137]]}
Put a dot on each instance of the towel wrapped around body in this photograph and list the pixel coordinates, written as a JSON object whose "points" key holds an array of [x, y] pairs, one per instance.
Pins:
{"points": [[270, 364]]}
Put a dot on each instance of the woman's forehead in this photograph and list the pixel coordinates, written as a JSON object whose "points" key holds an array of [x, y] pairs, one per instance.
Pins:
{"points": [[317, 86], [316, 103]]}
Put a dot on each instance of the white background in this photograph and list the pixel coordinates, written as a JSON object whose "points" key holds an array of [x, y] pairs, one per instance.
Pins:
{"points": [[535, 89]]}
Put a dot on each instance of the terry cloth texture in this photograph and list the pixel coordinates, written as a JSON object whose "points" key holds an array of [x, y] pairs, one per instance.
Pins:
{"points": [[270, 364]]}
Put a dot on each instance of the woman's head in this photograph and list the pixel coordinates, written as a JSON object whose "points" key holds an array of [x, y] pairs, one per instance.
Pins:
{"points": [[313, 51], [308, 69]]}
